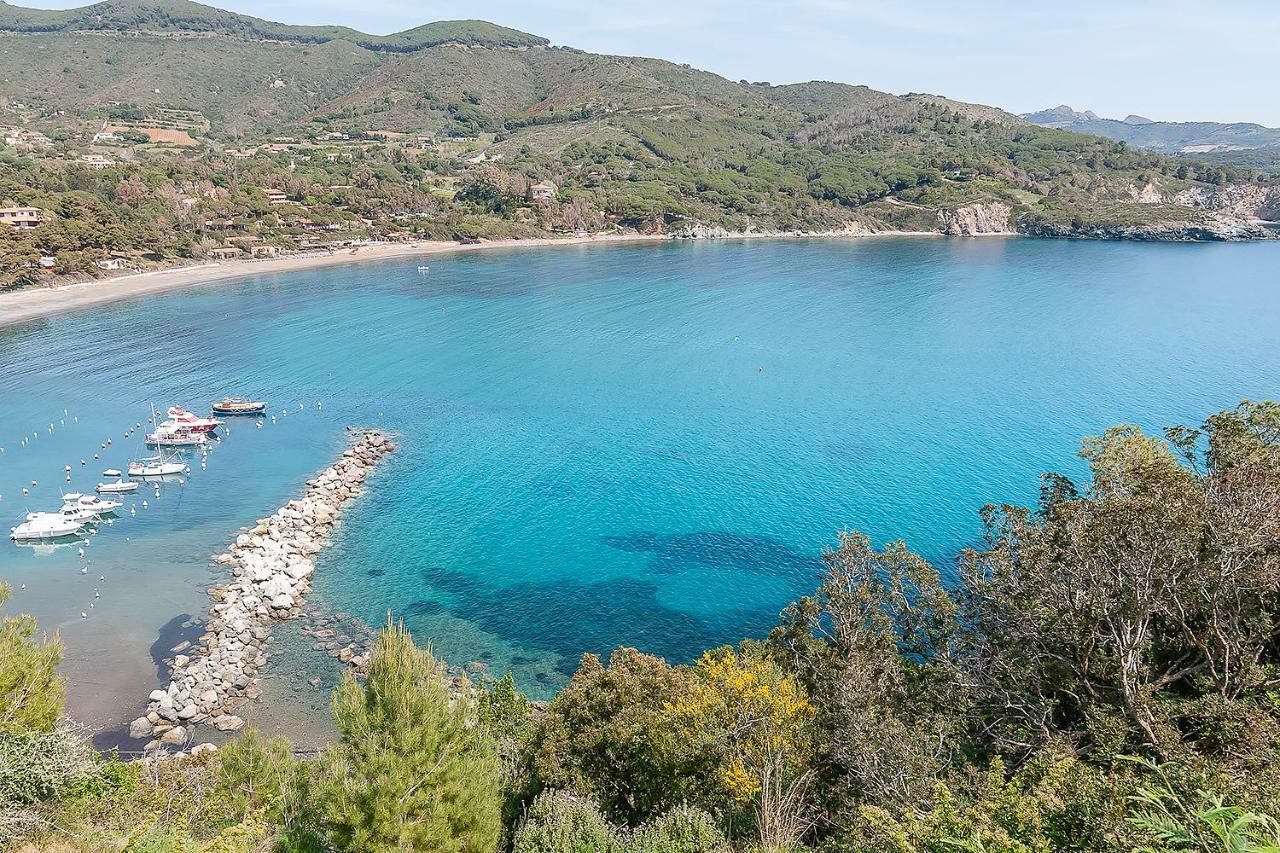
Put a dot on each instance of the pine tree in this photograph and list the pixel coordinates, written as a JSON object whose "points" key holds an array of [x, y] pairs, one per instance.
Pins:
{"points": [[30, 689], [412, 770]]}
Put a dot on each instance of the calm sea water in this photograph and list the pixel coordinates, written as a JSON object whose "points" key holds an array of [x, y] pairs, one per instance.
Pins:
{"points": [[639, 445]]}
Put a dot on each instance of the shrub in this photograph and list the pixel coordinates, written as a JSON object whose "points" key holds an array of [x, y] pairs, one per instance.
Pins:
{"points": [[560, 822]]}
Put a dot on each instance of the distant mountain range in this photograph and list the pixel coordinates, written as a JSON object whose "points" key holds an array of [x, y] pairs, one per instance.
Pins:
{"points": [[1196, 138]]}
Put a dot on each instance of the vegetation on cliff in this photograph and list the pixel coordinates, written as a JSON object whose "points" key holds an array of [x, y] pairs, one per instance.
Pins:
{"points": [[1101, 677]]}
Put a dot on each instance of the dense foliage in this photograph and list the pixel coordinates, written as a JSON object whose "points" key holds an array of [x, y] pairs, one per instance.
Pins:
{"points": [[1100, 676]]}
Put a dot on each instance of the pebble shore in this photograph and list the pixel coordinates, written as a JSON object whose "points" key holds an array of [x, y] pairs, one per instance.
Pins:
{"points": [[271, 568]]}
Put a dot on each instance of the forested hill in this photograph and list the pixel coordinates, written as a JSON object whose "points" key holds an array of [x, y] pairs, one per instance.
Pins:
{"points": [[447, 128], [183, 16]]}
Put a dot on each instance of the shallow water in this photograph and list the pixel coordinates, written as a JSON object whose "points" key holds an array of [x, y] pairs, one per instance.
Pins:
{"points": [[608, 445]]}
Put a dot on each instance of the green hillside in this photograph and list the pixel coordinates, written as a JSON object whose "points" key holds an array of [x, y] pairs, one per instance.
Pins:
{"points": [[441, 131], [172, 16]]}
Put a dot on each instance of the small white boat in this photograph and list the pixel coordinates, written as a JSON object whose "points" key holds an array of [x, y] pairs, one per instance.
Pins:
{"points": [[89, 503], [111, 472], [45, 525], [118, 487], [155, 466]]}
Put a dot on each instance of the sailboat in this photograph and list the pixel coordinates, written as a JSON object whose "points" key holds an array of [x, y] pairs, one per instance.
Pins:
{"points": [[160, 465]]}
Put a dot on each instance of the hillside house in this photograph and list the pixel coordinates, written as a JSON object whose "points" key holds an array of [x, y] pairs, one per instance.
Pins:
{"points": [[21, 217], [277, 197], [542, 193], [96, 161]]}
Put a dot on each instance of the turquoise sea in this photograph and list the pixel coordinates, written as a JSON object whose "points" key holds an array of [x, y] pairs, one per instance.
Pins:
{"points": [[644, 445]]}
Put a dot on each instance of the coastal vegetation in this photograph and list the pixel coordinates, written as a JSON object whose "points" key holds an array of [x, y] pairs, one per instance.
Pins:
{"points": [[314, 137], [1101, 675]]}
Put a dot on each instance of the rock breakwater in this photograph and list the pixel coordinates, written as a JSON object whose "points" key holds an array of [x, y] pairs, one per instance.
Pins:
{"points": [[271, 569]]}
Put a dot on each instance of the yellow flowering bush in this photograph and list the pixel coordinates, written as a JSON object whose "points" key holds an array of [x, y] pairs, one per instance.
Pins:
{"points": [[755, 717]]}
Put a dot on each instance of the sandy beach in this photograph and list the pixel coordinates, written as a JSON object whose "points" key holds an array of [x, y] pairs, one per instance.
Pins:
{"points": [[21, 306]]}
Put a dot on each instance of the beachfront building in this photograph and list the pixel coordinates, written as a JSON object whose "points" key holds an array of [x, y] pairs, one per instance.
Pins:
{"points": [[21, 217], [225, 253]]}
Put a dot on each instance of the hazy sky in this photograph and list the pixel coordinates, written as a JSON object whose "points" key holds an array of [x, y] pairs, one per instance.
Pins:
{"points": [[1215, 60]]}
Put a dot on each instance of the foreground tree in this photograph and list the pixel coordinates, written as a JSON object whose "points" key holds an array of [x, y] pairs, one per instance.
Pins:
{"points": [[412, 769], [754, 721], [608, 736], [873, 647], [30, 689], [1140, 613]]}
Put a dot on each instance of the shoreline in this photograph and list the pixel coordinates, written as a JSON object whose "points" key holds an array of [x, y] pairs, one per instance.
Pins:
{"points": [[29, 304]]}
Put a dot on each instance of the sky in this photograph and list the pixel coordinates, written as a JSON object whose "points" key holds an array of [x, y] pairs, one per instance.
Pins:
{"points": [[1168, 60]]}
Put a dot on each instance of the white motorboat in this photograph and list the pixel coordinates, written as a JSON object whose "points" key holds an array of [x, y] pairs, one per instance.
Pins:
{"points": [[118, 487], [112, 472], [83, 515], [169, 434], [180, 417], [45, 525], [156, 466], [92, 503]]}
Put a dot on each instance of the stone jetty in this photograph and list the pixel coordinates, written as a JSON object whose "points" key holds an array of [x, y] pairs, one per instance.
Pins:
{"points": [[271, 568]]}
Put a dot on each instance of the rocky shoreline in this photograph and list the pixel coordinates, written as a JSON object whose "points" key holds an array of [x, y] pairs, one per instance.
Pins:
{"points": [[271, 567]]}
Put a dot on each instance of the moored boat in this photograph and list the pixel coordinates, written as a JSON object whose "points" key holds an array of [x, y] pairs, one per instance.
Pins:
{"points": [[239, 406], [168, 434], [156, 466], [45, 525], [90, 503], [184, 419], [118, 487]]}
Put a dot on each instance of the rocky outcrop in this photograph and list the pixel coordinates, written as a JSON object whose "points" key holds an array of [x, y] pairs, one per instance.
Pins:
{"points": [[991, 217], [1239, 201], [271, 567], [1207, 229]]}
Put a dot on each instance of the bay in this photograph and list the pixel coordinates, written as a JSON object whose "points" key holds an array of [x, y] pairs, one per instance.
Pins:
{"points": [[644, 445]]}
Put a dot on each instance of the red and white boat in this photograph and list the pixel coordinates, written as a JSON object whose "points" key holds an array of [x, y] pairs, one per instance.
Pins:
{"points": [[190, 421]]}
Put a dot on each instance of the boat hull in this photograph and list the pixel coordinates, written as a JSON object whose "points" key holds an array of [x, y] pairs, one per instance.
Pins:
{"points": [[239, 409]]}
